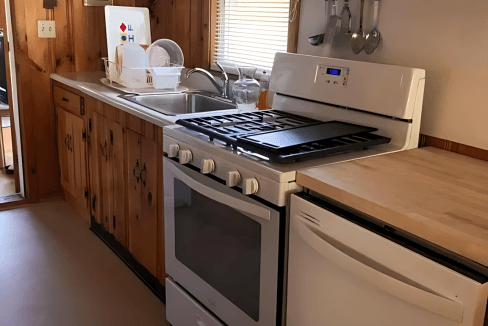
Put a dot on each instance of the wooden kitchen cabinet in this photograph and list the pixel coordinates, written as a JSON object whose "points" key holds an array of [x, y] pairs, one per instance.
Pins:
{"points": [[119, 166], [94, 153], [62, 121], [107, 167], [143, 197], [68, 101], [72, 155], [78, 156]]}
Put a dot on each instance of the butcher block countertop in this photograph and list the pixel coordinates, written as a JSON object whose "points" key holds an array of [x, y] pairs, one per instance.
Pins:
{"points": [[434, 194]]}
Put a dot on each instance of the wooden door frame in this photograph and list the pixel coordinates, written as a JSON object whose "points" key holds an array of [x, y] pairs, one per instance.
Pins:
{"points": [[10, 69]]}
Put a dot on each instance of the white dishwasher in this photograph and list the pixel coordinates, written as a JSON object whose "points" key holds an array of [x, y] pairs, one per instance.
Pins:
{"points": [[344, 271]]}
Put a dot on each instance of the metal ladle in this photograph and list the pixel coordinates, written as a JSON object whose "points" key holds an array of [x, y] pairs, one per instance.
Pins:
{"points": [[333, 25], [346, 18], [358, 39], [319, 38], [374, 37]]}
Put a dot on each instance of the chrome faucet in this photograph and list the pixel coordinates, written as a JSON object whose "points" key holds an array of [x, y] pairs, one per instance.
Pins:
{"points": [[223, 89]]}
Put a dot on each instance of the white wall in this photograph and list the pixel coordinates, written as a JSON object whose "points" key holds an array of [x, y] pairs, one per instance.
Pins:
{"points": [[447, 38]]}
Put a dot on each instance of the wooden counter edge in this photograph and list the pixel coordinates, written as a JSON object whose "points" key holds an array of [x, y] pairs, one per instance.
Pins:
{"points": [[432, 231]]}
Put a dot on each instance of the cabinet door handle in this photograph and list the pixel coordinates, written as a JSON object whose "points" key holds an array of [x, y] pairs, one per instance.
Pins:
{"points": [[104, 151], [64, 99], [94, 202], [143, 175], [137, 171], [70, 143], [66, 141]]}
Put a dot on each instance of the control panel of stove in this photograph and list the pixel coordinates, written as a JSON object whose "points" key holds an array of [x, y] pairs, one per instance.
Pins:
{"points": [[232, 175], [334, 76]]}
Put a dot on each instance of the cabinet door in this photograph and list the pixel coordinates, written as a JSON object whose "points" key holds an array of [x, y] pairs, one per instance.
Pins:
{"points": [[149, 203], [134, 188], [63, 143], [161, 254], [143, 199], [94, 166], [79, 188], [71, 159], [106, 176], [117, 158]]}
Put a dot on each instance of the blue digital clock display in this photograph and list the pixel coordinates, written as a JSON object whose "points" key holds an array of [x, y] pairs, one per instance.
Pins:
{"points": [[333, 72]]}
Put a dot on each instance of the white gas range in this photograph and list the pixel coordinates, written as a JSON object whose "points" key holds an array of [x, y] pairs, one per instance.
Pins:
{"points": [[228, 179]]}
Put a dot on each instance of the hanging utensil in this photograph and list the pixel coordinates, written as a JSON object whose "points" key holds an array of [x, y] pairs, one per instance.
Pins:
{"points": [[319, 38], [358, 39], [333, 25], [374, 37], [346, 18]]}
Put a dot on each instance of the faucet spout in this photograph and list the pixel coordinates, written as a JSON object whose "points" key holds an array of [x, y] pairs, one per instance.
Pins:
{"points": [[223, 89], [206, 74]]}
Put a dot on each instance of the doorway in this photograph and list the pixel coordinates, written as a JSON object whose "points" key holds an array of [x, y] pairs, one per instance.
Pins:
{"points": [[11, 173]]}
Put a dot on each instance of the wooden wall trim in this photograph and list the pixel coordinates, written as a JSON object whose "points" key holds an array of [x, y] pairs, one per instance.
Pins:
{"points": [[451, 146], [293, 26], [6, 49], [207, 28]]}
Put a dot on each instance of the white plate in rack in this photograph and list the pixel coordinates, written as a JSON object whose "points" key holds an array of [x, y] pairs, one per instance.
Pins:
{"points": [[129, 22], [127, 90]]}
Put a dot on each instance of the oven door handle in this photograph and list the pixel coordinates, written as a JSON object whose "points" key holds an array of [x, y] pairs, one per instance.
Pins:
{"points": [[219, 196], [426, 300]]}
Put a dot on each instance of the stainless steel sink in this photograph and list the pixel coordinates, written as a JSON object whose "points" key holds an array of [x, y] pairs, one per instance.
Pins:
{"points": [[181, 103]]}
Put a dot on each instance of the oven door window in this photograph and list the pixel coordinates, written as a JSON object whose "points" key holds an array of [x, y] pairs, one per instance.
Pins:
{"points": [[219, 244]]}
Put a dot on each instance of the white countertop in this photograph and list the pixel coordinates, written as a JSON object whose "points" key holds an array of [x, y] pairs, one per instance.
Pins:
{"points": [[89, 83]]}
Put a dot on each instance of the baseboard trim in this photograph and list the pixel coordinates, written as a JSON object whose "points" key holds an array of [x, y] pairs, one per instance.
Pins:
{"points": [[451, 146], [141, 272]]}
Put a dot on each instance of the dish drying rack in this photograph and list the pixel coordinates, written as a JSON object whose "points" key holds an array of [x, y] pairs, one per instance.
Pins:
{"points": [[150, 77]]}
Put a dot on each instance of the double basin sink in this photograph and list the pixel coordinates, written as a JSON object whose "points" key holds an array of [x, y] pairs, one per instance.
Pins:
{"points": [[181, 103]]}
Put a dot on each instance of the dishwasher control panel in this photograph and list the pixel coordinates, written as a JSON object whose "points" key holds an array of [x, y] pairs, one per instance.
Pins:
{"points": [[334, 76]]}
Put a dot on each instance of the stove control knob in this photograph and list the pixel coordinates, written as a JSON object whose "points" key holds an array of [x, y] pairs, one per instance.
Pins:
{"points": [[233, 178], [208, 166], [173, 150], [185, 156], [250, 186]]}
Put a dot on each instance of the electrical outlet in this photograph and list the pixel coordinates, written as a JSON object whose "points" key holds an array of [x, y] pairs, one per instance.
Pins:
{"points": [[46, 28]]}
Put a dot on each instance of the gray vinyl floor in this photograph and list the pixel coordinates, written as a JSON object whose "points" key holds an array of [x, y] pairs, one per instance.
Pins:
{"points": [[55, 271]]}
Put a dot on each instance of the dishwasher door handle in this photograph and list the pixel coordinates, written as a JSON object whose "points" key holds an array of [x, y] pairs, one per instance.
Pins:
{"points": [[418, 297]]}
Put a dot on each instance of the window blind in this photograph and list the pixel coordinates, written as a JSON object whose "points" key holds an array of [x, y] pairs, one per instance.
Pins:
{"points": [[250, 32]]}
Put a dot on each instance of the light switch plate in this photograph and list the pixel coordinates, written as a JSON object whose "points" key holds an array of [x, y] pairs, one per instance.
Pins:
{"points": [[46, 29]]}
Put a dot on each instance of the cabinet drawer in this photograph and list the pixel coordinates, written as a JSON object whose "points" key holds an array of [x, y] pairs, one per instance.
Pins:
{"points": [[183, 310], [68, 101]]}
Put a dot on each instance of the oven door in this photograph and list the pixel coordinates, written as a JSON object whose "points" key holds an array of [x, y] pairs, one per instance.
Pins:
{"points": [[221, 246]]}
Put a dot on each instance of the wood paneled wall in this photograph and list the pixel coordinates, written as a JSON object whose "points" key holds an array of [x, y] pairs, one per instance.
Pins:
{"points": [[79, 45], [187, 22]]}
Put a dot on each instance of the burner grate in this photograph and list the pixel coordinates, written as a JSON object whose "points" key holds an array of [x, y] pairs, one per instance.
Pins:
{"points": [[285, 137], [228, 128]]}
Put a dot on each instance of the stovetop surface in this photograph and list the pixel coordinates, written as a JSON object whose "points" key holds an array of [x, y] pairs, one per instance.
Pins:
{"points": [[284, 137], [230, 127]]}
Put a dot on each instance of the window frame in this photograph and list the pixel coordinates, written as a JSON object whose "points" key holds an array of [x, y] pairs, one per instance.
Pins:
{"points": [[293, 28]]}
